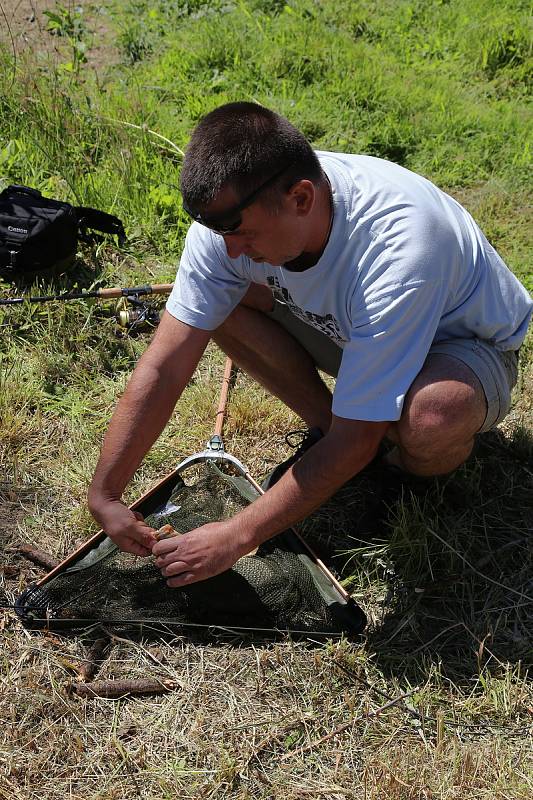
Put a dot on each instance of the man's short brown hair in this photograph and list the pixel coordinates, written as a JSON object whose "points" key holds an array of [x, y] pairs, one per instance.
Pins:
{"points": [[241, 145]]}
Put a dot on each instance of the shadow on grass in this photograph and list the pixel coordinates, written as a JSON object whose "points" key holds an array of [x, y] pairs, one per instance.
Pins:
{"points": [[77, 276], [445, 570]]}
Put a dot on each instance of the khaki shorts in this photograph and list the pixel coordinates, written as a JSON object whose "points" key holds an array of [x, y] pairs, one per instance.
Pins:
{"points": [[496, 370]]}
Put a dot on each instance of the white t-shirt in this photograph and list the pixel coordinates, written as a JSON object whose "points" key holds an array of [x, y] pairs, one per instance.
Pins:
{"points": [[405, 266]]}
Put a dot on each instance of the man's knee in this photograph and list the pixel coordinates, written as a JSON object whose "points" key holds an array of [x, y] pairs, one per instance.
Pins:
{"points": [[258, 297], [444, 407], [244, 317]]}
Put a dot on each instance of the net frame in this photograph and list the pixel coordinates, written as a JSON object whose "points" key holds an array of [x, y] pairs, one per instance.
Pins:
{"points": [[351, 618], [346, 611]]}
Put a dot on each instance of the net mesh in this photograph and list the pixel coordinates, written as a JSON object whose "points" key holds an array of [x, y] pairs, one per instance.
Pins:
{"points": [[275, 588]]}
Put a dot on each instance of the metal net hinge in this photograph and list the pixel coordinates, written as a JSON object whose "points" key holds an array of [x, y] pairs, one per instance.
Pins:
{"points": [[215, 444]]}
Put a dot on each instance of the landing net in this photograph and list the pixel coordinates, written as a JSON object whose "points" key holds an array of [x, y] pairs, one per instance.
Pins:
{"points": [[280, 587]]}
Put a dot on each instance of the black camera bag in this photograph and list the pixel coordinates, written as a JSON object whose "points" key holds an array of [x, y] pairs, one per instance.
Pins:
{"points": [[38, 234]]}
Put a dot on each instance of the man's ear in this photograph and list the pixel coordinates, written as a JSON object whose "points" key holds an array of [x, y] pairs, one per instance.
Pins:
{"points": [[302, 197]]}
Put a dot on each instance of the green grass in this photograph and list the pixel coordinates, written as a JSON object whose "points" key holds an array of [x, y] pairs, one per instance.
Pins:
{"points": [[444, 574], [437, 87]]}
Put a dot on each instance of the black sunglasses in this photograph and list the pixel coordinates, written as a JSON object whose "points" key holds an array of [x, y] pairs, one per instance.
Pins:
{"points": [[232, 219]]}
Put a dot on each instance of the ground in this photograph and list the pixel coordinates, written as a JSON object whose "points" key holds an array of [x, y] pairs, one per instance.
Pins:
{"points": [[26, 30], [435, 700]]}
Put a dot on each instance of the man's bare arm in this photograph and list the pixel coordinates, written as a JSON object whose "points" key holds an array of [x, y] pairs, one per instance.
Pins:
{"points": [[342, 453], [345, 450], [141, 414]]}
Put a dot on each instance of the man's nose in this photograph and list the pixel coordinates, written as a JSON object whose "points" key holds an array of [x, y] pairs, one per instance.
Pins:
{"points": [[234, 246]]}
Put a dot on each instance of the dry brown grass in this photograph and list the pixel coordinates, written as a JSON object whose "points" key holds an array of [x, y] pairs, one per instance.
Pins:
{"points": [[249, 717], [227, 731]]}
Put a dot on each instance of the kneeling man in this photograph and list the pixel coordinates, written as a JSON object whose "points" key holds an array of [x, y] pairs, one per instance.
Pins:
{"points": [[298, 260]]}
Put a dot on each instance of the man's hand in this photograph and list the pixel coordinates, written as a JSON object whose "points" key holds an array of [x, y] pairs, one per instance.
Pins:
{"points": [[214, 548], [141, 414], [199, 554], [126, 528]]}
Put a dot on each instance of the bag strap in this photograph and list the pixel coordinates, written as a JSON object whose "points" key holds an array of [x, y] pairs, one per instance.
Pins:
{"points": [[99, 221]]}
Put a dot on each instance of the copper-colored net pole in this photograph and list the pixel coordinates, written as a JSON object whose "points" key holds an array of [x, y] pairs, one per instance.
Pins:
{"points": [[223, 399]]}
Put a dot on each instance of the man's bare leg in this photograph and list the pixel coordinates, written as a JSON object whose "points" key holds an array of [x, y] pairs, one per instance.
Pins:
{"points": [[443, 410], [270, 355]]}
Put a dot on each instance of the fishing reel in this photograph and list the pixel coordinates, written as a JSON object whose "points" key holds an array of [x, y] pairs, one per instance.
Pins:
{"points": [[141, 315]]}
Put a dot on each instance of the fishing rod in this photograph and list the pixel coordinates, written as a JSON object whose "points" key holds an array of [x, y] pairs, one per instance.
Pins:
{"points": [[105, 294], [129, 317]]}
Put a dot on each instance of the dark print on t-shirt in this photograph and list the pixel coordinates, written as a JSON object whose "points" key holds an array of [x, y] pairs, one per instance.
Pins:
{"points": [[326, 324]]}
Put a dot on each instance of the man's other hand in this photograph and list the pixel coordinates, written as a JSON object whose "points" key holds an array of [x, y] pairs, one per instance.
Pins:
{"points": [[197, 555]]}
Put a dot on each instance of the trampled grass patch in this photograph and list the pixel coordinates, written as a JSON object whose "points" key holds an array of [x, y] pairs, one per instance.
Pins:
{"points": [[436, 700]]}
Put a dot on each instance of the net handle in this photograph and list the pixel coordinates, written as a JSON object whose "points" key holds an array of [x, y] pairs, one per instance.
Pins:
{"points": [[223, 399]]}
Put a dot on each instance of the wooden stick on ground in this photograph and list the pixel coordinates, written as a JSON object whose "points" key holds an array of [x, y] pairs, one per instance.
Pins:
{"points": [[122, 688], [38, 556], [95, 655]]}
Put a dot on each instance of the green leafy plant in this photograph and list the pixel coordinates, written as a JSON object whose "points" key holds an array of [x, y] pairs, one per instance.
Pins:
{"points": [[69, 23]]}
